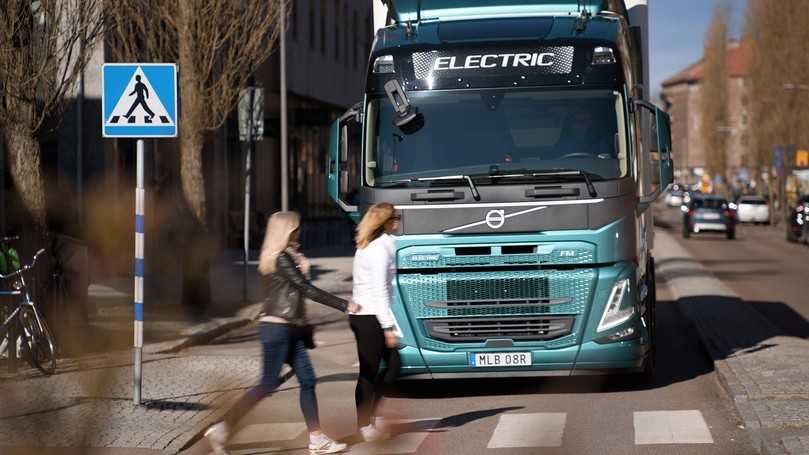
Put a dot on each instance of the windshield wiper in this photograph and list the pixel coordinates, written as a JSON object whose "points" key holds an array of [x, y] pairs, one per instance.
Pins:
{"points": [[556, 172], [472, 187]]}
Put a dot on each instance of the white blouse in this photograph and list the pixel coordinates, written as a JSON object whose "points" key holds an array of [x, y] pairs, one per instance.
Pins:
{"points": [[373, 276]]}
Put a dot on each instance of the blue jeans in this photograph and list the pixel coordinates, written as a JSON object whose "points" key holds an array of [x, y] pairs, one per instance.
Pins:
{"points": [[280, 345]]}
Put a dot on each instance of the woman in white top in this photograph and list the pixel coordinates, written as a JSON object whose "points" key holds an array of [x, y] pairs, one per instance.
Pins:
{"points": [[373, 325]]}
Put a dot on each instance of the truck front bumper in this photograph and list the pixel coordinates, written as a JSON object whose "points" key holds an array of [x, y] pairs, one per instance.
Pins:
{"points": [[587, 359]]}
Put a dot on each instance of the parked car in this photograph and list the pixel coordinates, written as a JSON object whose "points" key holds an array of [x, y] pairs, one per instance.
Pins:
{"points": [[708, 214], [797, 229], [752, 209]]}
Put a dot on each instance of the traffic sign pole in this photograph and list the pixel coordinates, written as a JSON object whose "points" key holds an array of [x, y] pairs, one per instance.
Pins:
{"points": [[140, 208], [139, 100]]}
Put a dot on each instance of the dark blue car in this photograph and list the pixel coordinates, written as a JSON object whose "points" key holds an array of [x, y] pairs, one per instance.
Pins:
{"points": [[708, 214]]}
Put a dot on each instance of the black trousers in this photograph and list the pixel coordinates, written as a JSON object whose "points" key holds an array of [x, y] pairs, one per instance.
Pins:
{"points": [[371, 350]]}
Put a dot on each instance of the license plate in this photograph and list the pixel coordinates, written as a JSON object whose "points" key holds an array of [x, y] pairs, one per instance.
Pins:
{"points": [[710, 216], [500, 359]]}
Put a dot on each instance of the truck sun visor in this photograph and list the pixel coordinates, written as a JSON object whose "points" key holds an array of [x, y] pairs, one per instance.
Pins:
{"points": [[448, 64]]}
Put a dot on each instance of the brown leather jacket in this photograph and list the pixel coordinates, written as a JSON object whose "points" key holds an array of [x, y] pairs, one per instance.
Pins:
{"points": [[286, 289]]}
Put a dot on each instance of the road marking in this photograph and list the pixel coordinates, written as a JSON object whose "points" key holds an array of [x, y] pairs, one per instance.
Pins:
{"points": [[409, 434], [264, 432], [542, 429], [671, 427]]}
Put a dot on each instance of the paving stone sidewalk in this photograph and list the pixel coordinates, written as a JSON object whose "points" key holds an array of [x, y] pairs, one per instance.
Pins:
{"points": [[88, 403], [765, 373]]}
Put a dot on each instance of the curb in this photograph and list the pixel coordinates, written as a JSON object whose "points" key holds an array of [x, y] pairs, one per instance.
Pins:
{"points": [[689, 283], [207, 331]]}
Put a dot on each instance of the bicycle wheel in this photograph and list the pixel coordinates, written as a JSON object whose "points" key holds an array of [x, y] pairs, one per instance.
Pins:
{"points": [[40, 342]]}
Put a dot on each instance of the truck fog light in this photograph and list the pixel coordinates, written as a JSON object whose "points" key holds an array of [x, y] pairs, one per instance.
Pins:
{"points": [[614, 315], [620, 335]]}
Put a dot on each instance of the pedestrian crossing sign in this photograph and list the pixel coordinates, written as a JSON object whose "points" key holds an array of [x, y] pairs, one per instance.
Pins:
{"points": [[139, 100]]}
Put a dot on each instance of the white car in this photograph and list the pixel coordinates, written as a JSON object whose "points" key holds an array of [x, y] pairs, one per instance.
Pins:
{"points": [[752, 209], [674, 198]]}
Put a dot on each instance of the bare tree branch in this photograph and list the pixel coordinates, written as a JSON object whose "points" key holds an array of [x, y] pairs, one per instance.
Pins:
{"points": [[218, 45], [41, 57]]}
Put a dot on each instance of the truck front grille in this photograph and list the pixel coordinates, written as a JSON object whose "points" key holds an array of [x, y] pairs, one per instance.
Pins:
{"points": [[518, 329], [497, 288]]}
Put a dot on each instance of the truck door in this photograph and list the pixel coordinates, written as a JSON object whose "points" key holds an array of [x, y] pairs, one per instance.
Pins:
{"points": [[343, 166]]}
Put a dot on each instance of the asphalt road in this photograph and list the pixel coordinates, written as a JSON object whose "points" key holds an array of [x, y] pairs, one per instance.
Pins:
{"points": [[683, 412], [759, 265]]}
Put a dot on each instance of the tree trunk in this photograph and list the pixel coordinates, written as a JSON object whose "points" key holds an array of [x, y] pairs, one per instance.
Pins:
{"points": [[192, 125], [24, 161]]}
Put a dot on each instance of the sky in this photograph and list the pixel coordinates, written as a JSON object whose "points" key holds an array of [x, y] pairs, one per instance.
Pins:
{"points": [[678, 29]]}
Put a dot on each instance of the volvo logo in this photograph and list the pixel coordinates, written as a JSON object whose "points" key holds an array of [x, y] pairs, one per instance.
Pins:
{"points": [[495, 219]]}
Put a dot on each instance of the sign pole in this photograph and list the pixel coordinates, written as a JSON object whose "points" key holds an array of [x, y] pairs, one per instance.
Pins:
{"points": [[139, 100], [140, 206], [284, 145], [247, 171]]}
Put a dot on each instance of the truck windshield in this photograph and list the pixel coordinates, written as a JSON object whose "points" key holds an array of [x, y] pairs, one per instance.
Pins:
{"points": [[473, 132]]}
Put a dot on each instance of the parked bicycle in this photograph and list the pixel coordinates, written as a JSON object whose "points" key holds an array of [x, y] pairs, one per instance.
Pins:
{"points": [[24, 329]]}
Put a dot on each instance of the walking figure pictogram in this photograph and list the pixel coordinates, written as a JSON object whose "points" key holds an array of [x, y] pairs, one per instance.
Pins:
{"points": [[140, 90]]}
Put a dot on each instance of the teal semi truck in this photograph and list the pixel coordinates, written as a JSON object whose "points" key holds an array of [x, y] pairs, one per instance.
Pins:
{"points": [[515, 139]]}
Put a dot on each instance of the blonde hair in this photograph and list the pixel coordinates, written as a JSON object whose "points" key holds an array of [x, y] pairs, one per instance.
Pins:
{"points": [[280, 227], [371, 225]]}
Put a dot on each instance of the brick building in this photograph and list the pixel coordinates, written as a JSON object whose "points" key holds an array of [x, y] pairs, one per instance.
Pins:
{"points": [[682, 94]]}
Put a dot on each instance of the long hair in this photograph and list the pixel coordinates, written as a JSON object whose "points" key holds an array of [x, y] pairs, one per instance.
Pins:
{"points": [[372, 223], [280, 227]]}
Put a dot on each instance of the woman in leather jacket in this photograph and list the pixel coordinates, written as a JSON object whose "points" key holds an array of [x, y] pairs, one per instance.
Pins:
{"points": [[284, 331]]}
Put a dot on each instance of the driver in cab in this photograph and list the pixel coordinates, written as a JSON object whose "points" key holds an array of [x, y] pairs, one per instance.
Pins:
{"points": [[581, 138]]}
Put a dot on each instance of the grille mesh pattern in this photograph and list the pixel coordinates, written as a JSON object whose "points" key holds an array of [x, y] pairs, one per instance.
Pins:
{"points": [[420, 289]]}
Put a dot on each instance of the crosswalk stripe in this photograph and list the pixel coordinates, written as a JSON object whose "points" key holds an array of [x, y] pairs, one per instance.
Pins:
{"points": [[542, 429], [671, 427], [164, 119], [115, 119], [264, 432], [403, 443]]}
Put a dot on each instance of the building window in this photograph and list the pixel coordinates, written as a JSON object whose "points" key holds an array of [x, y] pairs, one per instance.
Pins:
{"points": [[323, 27], [337, 32], [312, 27]]}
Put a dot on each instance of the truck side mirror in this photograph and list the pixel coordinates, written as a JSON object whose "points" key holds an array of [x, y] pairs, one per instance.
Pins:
{"points": [[666, 162], [661, 159], [343, 161]]}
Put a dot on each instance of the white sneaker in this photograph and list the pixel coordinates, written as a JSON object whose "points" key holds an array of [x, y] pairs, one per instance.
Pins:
{"points": [[373, 433], [326, 445], [217, 436]]}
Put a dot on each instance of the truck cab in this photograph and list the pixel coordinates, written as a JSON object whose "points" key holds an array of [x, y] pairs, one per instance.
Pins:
{"points": [[514, 140]]}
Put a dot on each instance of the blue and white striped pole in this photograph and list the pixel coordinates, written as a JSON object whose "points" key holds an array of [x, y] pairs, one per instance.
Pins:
{"points": [[140, 209]]}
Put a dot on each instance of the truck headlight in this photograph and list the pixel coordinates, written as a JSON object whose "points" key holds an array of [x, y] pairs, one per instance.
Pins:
{"points": [[614, 315]]}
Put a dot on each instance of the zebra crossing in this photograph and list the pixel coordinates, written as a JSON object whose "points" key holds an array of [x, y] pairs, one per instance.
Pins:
{"points": [[512, 431], [133, 119]]}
